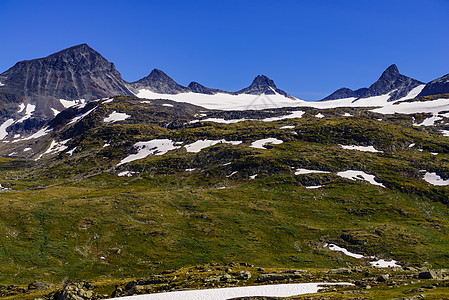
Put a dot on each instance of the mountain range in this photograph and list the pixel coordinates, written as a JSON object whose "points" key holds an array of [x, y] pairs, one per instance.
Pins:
{"points": [[32, 92]]}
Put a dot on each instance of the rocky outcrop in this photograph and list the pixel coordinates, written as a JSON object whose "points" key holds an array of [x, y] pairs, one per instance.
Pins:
{"points": [[345, 93], [263, 85], [159, 82], [436, 87], [76, 291], [393, 83]]}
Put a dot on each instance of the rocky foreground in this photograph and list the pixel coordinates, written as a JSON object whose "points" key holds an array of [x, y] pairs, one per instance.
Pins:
{"points": [[367, 283]]}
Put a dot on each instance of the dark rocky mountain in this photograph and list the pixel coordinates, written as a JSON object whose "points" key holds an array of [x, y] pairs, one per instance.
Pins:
{"points": [[263, 85], [437, 86], [75, 73], [391, 81], [159, 82], [345, 93], [195, 87]]}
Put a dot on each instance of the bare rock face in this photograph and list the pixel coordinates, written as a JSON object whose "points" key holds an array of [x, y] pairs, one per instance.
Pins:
{"points": [[263, 85], [391, 81], [75, 73], [159, 82], [345, 93], [437, 86]]}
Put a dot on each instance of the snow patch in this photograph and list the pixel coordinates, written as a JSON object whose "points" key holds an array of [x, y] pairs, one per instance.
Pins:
{"points": [[306, 171], [26, 149], [429, 121], [21, 107], [126, 174], [167, 105], [252, 177], [346, 252], [108, 101], [202, 144], [347, 115], [153, 147], [29, 109], [71, 151], [361, 148], [55, 112], [260, 144], [70, 103], [273, 290], [359, 175], [319, 115], [81, 116], [41, 132], [314, 187], [224, 101], [287, 127], [3, 127], [292, 115], [435, 179], [381, 263], [115, 117], [55, 147]]}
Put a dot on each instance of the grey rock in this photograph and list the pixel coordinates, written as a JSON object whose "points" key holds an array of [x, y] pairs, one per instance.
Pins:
{"points": [[345, 93], [263, 85], [437, 86], [159, 82], [35, 285], [383, 278], [391, 81], [431, 274], [245, 275]]}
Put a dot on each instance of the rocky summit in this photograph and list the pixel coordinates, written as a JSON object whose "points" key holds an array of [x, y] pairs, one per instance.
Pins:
{"points": [[75, 73], [437, 86], [263, 85], [393, 83], [159, 82]]}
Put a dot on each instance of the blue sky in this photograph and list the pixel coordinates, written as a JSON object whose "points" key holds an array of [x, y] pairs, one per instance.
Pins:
{"points": [[309, 48]]}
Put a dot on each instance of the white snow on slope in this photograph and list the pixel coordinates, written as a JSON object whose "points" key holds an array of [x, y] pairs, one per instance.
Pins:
{"points": [[274, 290], [435, 179], [319, 115], [224, 101], [29, 109], [306, 171], [81, 116], [55, 147], [346, 252], [381, 263], [153, 147], [287, 127], [3, 127], [202, 144], [70, 103], [260, 144], [55, 112], [445, 132], [41, 132], [432, 107], [292, 115], [359, 175], [413, 93], [167, 105], [429, 121], [361, 148], [2, 84], [126, 174], [21, 107], [115, 117]]}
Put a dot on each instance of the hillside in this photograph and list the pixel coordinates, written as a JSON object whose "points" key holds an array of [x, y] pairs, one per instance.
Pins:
{"points": [[123, 188]]}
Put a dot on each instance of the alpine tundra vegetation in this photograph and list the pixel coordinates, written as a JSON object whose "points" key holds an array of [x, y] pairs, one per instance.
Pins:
{"points": [[112, 189]]}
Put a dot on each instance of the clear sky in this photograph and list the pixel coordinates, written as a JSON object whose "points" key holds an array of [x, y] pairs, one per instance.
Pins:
{"points": [[309, 48]]}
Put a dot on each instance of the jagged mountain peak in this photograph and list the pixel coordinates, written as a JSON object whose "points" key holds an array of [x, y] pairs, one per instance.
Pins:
{"points": [[159, 82], [263, 85], [437, 86], [393, 83]]}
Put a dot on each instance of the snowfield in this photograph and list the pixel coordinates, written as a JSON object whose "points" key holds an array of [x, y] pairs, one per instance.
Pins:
{"points": [[115, 117], [275, 290], [3, 127], [361, 148], [202, 144], [306, 171], [435, 179], [381, 263], [260, 144], [224, 101], [359, 175], [153, 147]]}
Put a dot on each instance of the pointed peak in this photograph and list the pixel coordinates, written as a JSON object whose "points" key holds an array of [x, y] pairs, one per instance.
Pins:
{"points": [[263, 81], [391, 71]]}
